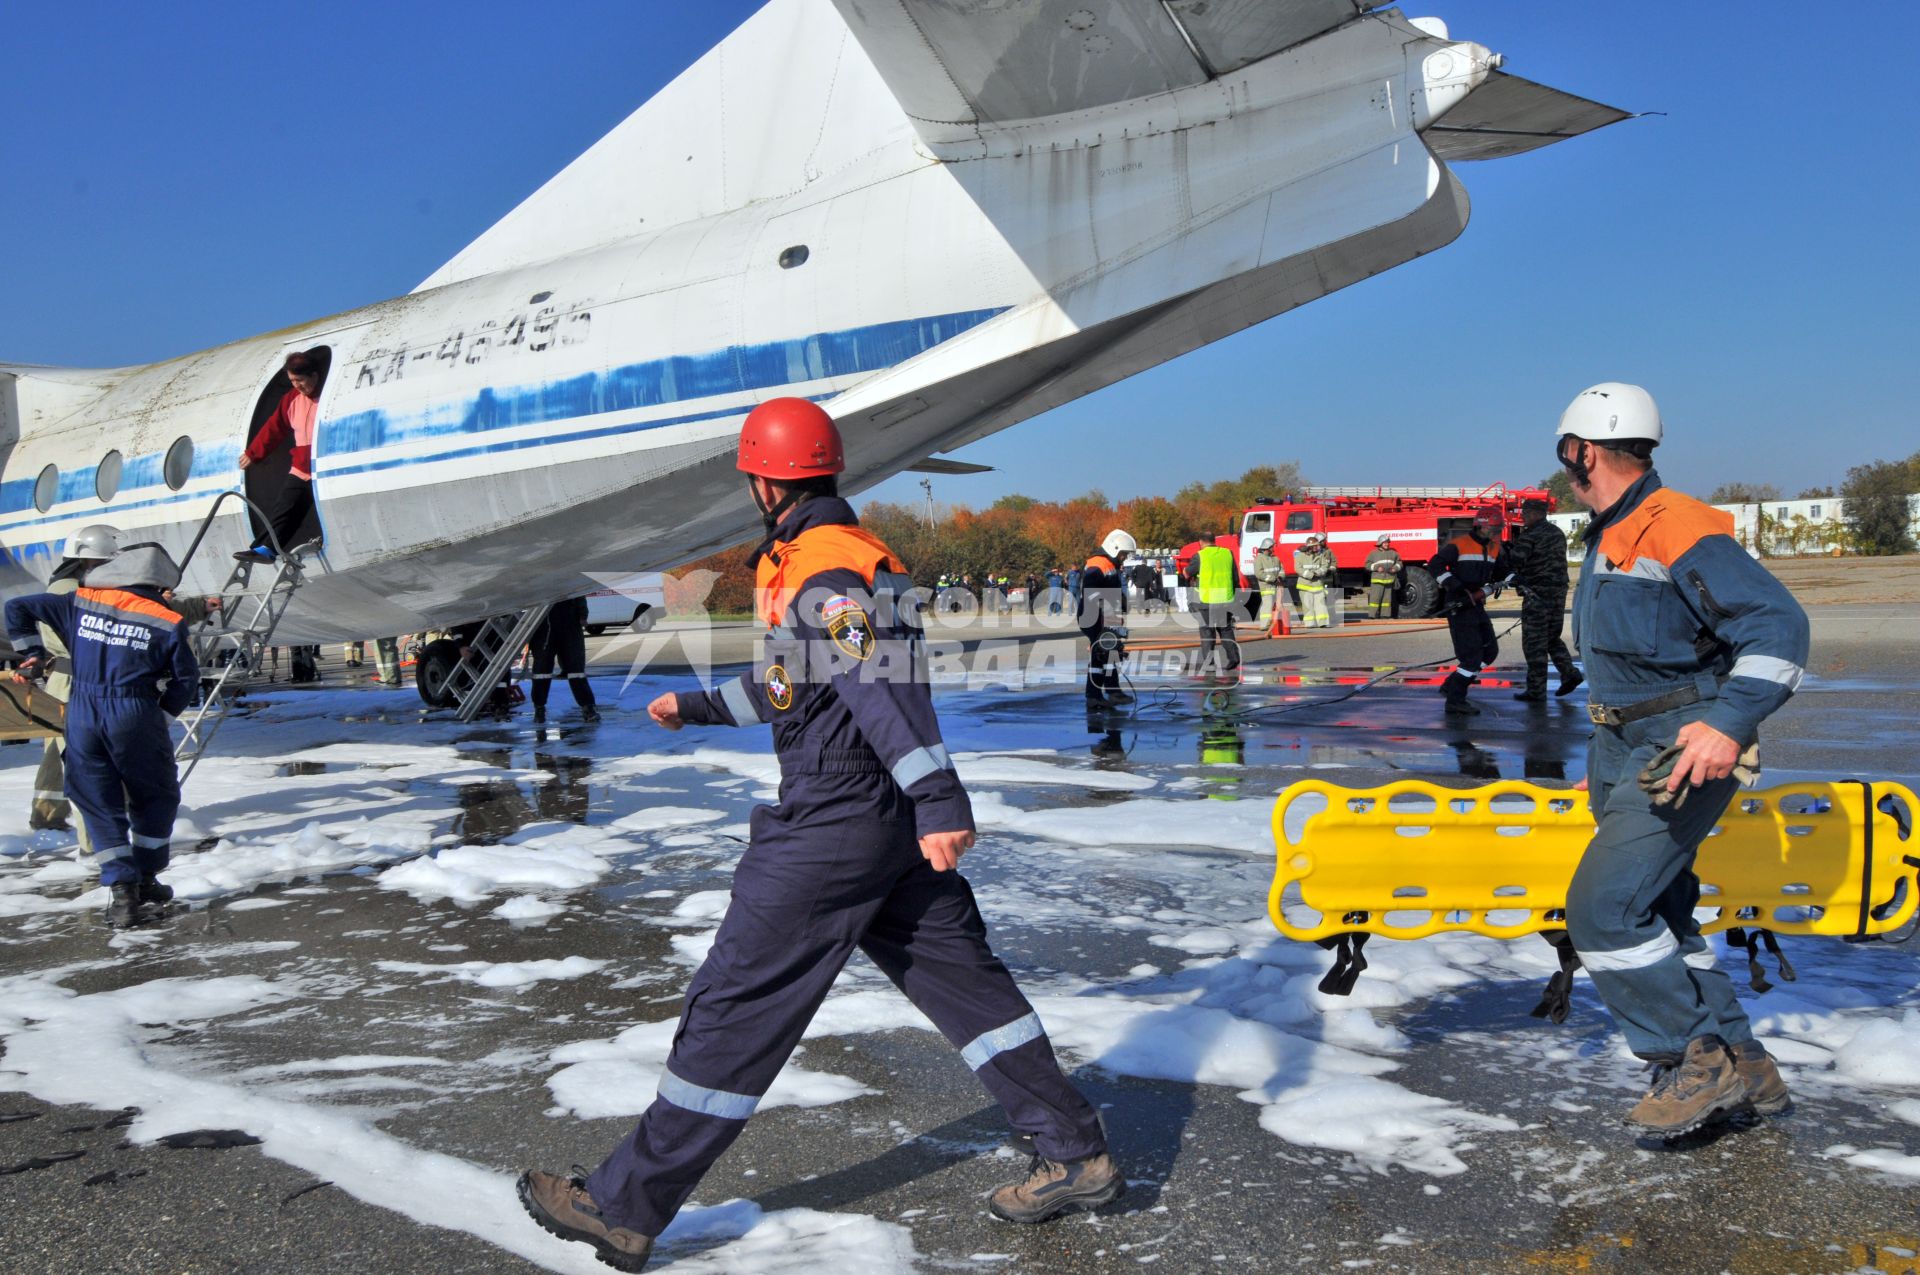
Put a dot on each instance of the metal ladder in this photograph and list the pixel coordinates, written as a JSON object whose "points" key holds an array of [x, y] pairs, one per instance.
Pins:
{"points": [[241, 635], [490, 655]]}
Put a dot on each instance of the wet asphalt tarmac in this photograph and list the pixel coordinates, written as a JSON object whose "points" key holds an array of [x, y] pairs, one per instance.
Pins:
{"points": [[1212, 1191]]}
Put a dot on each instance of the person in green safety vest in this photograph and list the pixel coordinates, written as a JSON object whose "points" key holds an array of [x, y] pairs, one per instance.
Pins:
{"points": [[1216, 580], [1383, 577], [1314, 569]]}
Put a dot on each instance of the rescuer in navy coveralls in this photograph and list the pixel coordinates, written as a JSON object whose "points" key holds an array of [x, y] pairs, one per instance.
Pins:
{"points": [[1689, 644], [1465, 569], [862, 851], [133, 667]]}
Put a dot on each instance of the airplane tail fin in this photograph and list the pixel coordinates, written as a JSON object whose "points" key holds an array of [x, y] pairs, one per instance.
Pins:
{"points": [[782, 102]]}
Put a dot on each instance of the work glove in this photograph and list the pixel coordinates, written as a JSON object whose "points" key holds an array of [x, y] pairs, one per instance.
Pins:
{"points": [[1654, 776], [33, 664]]}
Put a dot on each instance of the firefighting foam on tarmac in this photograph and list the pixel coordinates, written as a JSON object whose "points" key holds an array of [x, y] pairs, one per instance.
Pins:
{"points": [[415, 950], [1322, 907]]}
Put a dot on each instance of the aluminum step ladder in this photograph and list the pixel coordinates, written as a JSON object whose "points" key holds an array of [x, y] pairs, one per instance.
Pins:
{"points": [[241, 634], [237, 643], [490, 655]]}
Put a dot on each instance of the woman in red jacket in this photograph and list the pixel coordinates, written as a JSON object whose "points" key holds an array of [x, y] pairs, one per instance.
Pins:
{"points": [[292, 424]]}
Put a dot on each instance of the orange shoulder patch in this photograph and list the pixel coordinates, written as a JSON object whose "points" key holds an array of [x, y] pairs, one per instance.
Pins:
{"points": [[122, 600], [1665, 526], [782, 572]]}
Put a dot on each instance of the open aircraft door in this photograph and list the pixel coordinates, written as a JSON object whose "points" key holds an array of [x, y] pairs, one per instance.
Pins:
{"points": [[264, 480]]}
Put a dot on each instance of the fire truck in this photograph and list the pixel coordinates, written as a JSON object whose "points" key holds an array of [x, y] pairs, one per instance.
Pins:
{"points": [[1419, 520]]}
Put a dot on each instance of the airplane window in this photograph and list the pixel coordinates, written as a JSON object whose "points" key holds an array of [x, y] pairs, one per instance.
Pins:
{"points": [[46, 487], [179, 463], [106, 478], [794, 256]]}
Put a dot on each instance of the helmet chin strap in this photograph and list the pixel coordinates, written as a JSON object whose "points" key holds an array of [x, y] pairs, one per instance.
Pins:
{"points": [[771, 514]]}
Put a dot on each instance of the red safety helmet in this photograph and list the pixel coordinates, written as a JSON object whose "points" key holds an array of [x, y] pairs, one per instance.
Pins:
{"points": [[790, 438], [1491, 518]]}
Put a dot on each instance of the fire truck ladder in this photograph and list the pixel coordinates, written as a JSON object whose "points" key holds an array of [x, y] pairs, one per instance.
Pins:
{"points": [[490, 656], [1496, 491], [237, 642]]}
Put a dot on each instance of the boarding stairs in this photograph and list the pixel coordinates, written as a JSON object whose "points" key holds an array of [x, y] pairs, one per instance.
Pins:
{"points": [[237, 637], [490, 655]]}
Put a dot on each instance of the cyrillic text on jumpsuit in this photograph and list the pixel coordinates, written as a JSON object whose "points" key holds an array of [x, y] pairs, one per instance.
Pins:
{"points": [[861, 852], [133, 667], [1688, 644]]}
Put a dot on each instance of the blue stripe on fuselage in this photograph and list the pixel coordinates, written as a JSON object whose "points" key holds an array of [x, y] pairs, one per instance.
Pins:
{"points": [[682, 378], [733, 370]]}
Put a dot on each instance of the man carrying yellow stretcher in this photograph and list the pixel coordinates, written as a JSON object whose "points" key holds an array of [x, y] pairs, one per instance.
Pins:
{"points": [[1688, 645]]}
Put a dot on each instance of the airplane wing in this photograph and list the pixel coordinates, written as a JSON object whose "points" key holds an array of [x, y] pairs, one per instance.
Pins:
{"points": [[962, 66], [1510, 116]]}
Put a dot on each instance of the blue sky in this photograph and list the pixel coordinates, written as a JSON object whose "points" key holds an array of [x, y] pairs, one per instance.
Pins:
{"points": [[181, 176]]}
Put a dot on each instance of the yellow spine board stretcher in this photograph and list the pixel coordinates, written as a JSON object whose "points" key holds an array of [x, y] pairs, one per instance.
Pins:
{"points": [[1411, 858]]}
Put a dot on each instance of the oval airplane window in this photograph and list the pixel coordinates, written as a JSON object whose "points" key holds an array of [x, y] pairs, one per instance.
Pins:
{"points": [[46, 488], [106, 479], [794, 256], [178, 466]]}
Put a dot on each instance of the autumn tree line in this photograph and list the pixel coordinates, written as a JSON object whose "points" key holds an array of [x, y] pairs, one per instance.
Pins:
{"points": [[1017, 534]]}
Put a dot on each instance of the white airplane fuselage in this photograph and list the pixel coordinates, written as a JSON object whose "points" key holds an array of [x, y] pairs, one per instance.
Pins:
{"points": [[483, 444]]}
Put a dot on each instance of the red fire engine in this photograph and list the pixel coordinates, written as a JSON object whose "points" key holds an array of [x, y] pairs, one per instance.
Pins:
{"points": [[1419, 520]]}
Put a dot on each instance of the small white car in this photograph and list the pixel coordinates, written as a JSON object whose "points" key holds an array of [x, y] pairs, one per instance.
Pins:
{"points": [[632, 602]]}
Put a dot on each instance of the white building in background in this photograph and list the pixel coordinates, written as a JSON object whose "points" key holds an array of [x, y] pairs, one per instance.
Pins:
{"points": [[1774, 528], [1783, 528]]}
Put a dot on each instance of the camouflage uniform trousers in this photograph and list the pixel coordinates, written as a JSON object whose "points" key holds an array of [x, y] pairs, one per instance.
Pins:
{"points": [[1542, 616]]}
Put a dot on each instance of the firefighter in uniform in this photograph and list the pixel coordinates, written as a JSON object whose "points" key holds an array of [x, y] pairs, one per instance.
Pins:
{"points": [[1465, 569], [1267, 573], [133, 666], [1539, 556], [862, 851], [1688, 644], [1314, 570], [89, 547], [1383, 577], [1215, 584], [1102, 599]]}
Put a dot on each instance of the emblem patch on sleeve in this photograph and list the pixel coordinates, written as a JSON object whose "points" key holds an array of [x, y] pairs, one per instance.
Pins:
{"points": [[779, 688], [848, 627]]}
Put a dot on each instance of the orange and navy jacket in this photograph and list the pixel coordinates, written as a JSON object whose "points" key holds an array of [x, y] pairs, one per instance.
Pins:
{"points": [[124, 643], [1470, 564], [1103, 593], [1668, 597], [842, 676]]}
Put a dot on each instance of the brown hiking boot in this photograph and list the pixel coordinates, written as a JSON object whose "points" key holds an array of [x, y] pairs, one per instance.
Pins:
{"points": [[1703, 1084], [562, 1207], [1766, 1091], [1051, 1188]]}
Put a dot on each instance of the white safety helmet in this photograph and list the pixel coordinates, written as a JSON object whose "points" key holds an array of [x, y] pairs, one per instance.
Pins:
{"points": [[1612, 411], [93, 543], [98, 541], [1119, 542], [1383, 540]]}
